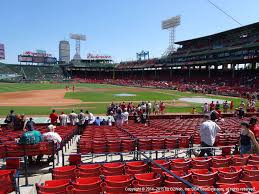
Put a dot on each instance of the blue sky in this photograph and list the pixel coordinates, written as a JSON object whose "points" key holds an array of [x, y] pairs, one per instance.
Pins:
{"points": [[119, 28]]}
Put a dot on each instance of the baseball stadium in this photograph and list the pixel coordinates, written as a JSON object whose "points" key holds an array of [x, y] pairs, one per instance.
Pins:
{"points": [[185, 122]]}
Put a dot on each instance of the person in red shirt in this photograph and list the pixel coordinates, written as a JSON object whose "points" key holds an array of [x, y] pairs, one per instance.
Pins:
{"points": [[212, 106], [231, 106], [254, 127], [53, 117], [162, 108]]}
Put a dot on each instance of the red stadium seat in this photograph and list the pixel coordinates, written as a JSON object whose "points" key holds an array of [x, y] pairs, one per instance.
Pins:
{"points": [[71, 190], [201, 163], [180, 164], [13, 163], [158, 144], [128, 145], [112, 169], [239, 161], [228, 187], [148, 179], [54, 186], [218, 162], [118, 181], [136, 167], [7, 181], [89, 183], [65, 172], [74, 159], [178, 173]]}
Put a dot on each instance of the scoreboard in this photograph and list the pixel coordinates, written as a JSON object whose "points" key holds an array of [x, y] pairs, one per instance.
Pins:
{"points": [[38, 57]]}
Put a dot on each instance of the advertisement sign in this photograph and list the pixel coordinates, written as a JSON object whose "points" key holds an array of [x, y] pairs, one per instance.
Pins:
{"points": [[38, 59], [2, 51], [92, 56], [24, 58], [50, 60], [40, 53]]}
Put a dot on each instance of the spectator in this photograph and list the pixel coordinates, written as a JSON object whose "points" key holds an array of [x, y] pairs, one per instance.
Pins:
{"points": [[144, 118], [149, 107], [242, 105], [162, 108], [18, 124], [9, 120], [247, 137], [98, 121], [73, 118], [53, 117], [217, 105], [63, 119], [212, 106], [82, 122], [125, 116], [205, 108], [119, 117], [109, 121], [52, 135], [30, 125], [208, 132], [91, 117], [81, 118], [29, 138], [254, 127], [253, 105], [104, 122], [240, 112], [225, 107], [231, 106], [156, 107]]}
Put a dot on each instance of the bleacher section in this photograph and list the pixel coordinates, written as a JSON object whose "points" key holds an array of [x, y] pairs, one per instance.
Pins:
{"points": [[32, 72]]}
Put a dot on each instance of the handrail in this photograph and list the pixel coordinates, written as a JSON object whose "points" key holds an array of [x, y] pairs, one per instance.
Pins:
{"points": [[174, 175]]}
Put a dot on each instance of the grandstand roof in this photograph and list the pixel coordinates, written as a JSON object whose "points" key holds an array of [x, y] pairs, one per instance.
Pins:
{"points": [[224, 33]]}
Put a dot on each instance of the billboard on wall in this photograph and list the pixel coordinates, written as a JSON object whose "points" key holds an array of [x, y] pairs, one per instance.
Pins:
{"points": [[50, 60], [24, 58], [2, 51], [37, 59]]}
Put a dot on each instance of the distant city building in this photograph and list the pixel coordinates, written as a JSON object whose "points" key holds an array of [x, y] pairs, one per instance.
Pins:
{"points": [[64, 51], [2, 52]]}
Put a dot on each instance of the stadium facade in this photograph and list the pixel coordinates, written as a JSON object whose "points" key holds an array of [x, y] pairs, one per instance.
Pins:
{"points": [[217, 55]]}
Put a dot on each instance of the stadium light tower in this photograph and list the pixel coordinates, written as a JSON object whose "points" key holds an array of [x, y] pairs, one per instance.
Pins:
{"points": [[170, 24], [78, 38]]}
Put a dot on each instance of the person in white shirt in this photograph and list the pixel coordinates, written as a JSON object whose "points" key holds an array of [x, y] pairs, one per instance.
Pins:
{"points": [[208, 133], [149, 106], [63, 119], [109, 121], [73, 118], [91, 117], [206, 108], [52, 135], [81, 118], [125, 116]]}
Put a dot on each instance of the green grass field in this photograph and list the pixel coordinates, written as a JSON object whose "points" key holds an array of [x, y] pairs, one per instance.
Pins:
{"points": [[96, 97]]}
